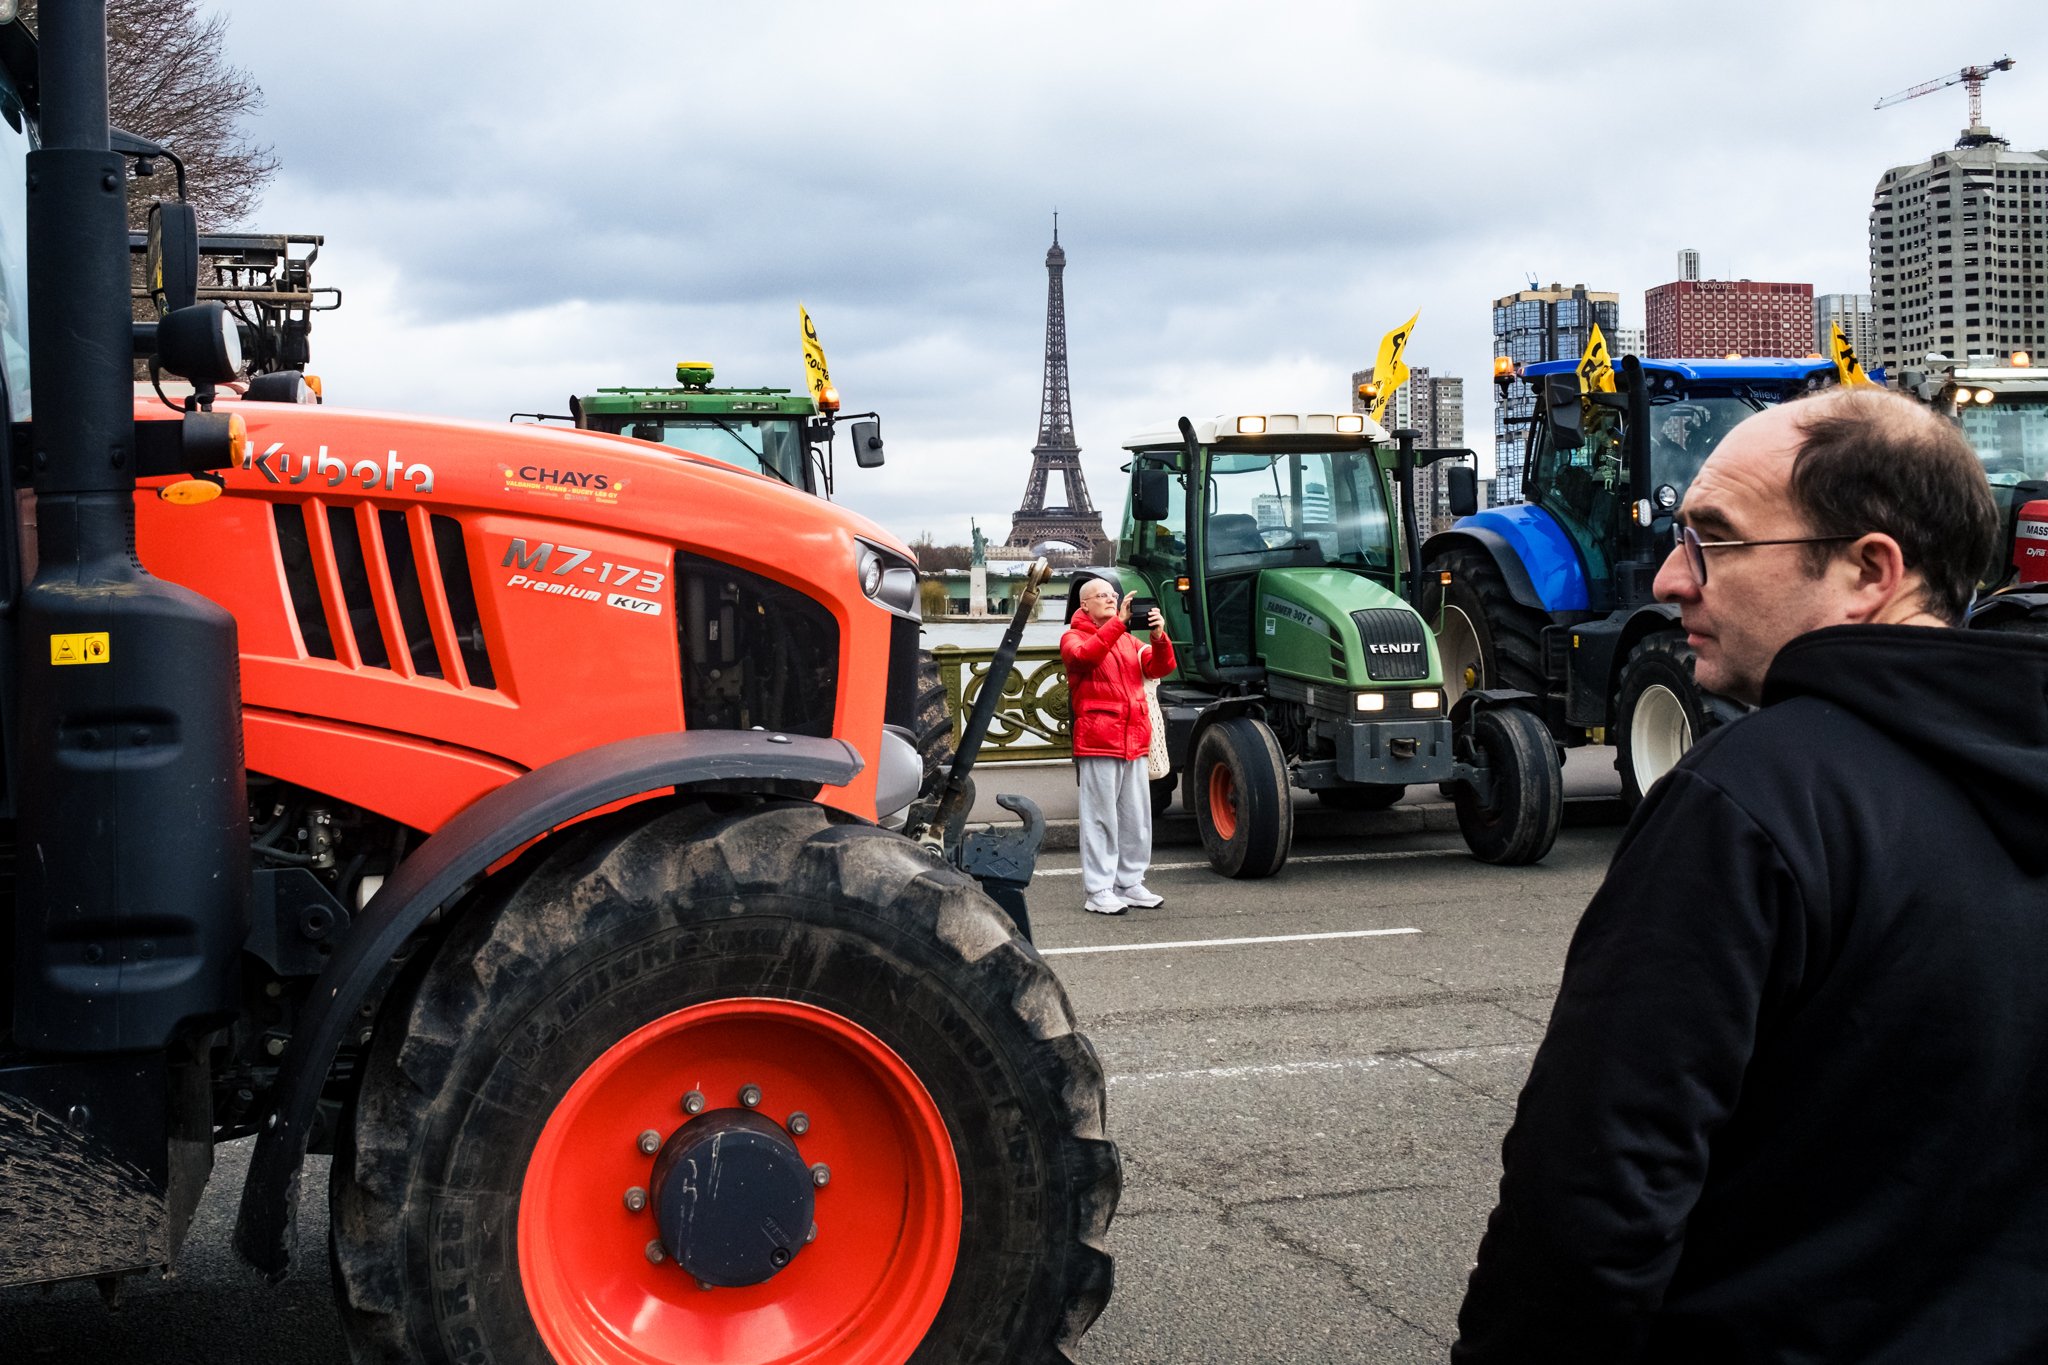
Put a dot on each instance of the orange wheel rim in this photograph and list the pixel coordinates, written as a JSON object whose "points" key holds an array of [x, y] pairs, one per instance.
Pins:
{"points": [[1223, 802], [864, 1293]]}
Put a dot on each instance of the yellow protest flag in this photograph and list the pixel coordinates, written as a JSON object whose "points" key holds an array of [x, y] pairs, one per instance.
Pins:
{"points": [[1847, 368], [817, 373], [1389, 372], [1596, 367]]}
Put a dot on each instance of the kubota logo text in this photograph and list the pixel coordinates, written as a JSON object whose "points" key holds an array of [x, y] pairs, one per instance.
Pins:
{"points": [[279, 466]]}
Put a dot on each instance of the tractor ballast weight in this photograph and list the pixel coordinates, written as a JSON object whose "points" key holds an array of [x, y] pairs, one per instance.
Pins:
{"points": [[495, 810], [1287, 588]]}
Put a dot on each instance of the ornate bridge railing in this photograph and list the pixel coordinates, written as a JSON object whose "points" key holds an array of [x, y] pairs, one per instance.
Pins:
{"points": [[1031, 721]]}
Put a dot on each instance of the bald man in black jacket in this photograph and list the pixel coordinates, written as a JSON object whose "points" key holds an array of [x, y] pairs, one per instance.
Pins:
{"points": [[1792, 1105]]}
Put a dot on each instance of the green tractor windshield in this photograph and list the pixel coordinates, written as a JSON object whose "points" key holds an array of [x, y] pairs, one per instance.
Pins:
{"points": [[1298, 510], [767, 445]]}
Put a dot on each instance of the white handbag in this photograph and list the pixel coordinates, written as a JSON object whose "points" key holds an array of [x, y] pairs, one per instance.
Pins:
{"points": [[1158, 763]]}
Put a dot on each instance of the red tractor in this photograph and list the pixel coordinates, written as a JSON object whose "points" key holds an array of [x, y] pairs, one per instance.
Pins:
{"points": [[493, 808]]}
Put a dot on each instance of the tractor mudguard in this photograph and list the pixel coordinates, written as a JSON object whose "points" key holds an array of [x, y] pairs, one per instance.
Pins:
{"points": [[1598, 650], [1461, 714], [485, 831], [1536, 559]]}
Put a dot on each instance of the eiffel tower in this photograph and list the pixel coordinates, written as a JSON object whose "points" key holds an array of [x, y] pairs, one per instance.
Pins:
{"points": [[1077, 523]]}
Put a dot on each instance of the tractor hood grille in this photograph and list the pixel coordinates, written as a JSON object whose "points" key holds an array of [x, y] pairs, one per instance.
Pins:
{"points": [[1394, 643]]}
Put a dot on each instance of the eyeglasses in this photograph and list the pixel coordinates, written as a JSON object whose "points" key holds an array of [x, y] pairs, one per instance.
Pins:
{"points": [[1696, 549]]}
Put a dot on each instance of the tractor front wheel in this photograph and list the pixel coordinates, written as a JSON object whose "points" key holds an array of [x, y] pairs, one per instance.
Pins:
{"points": [[726, 1085], [1517, 821], [1242, 804], [1659, 711]]}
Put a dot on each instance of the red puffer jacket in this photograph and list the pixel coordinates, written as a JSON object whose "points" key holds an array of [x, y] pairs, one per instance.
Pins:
{"points": [[1106, 672]]}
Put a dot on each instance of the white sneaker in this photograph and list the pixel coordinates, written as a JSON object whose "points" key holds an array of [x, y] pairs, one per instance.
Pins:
{"points": [[1104, 903], [1139, 896]]}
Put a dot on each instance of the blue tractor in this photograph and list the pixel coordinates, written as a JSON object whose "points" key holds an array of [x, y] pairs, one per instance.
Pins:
{"points": [[1552, 596]]}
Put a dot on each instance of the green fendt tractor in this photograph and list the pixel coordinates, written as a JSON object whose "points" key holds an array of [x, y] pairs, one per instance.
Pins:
{"points": [[1269, 543]]}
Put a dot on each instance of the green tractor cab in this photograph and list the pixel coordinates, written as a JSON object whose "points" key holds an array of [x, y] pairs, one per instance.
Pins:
{"points": [[782, 433], [1270, 543]]}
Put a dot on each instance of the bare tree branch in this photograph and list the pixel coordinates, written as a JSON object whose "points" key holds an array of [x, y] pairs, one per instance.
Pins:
{"points": [[167, 81]]}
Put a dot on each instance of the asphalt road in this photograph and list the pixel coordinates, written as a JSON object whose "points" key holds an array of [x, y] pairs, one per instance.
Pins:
{"points": [[1310, 1127]]}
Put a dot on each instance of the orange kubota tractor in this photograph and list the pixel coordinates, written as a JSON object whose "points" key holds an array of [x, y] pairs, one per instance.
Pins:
{"points": [[530, 867]]}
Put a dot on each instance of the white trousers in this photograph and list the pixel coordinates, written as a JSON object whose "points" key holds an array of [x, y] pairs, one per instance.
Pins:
{"points": [[1116, 823]]}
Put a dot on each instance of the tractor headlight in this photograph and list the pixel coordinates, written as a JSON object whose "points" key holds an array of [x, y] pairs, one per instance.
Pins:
{"points": [[888, 578], [1370, 701], [1426, 701]]}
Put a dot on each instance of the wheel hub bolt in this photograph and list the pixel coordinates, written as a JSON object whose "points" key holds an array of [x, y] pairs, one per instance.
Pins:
{"points": [[706, 1286], [750, 1096], [812, 1235], [693, 1103], [821, 1175], [636, 1200], [779, 1256], [799, 1123], [650, 1142], [654, 1252]]}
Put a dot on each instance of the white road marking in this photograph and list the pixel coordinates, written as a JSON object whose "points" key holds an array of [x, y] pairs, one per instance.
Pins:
{"points": [[1222, 942], [1429, 1058], [1291, 862]]}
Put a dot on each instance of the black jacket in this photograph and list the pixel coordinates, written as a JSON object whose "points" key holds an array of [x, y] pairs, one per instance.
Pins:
{"points": [[1793, 1101]]}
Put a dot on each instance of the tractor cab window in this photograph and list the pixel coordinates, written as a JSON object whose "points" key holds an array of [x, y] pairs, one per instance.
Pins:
{"points": [[772, 447], [16, 141], [1161, 543], [1298, 509], [2010, 434], [1685, 430]]}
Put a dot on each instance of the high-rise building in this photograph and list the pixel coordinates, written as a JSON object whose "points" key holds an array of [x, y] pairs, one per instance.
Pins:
{"points": [[1433, 406], [1688, 264], [1958, 256], [1858, 323], [1627, 341], [1716, 317], [1533, 325]]}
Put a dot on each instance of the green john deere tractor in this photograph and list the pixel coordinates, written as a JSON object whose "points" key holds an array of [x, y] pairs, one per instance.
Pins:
{"points": [[782, 433], [1269, 542]]}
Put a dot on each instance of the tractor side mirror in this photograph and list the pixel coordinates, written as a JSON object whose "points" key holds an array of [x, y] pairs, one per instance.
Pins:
{"points": [[171, 259], [1461, 483], [867, 444], [1561, 411], [1151, 494]]}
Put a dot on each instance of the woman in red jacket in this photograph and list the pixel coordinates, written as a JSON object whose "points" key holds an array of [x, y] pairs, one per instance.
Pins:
{"points": [[1112, 731]]}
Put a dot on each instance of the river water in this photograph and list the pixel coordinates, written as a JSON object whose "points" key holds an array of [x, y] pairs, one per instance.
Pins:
{"points": [[988, 634]]}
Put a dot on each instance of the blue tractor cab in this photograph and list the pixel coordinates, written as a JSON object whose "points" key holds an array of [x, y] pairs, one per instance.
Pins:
{"points": [[1552, 595]]}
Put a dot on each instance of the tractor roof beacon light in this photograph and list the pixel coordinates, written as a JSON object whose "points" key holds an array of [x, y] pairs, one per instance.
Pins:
{"points": [[2022, 360], [829, 399]]}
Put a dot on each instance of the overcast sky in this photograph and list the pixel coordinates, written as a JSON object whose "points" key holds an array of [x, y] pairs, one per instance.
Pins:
{"points": [[522, 200]]}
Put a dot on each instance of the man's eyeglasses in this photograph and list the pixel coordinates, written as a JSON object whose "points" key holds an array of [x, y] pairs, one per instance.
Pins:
{"points": [[1696, 549]]}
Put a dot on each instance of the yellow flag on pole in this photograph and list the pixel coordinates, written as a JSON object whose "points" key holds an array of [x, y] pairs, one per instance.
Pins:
{"points": [[1388, 370], [1596, 367], [817, 373], [1847, 368]]}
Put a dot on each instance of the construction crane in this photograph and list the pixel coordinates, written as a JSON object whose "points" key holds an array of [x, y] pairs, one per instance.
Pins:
{"points": [[1970, 77]]}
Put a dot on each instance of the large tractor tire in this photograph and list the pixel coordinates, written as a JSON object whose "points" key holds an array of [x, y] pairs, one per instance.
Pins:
{"points": [[1242, 805], [725, 1084], [1659, 712], [1365, 796], [1519, 822], [1484, 637], [934, 722]]}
